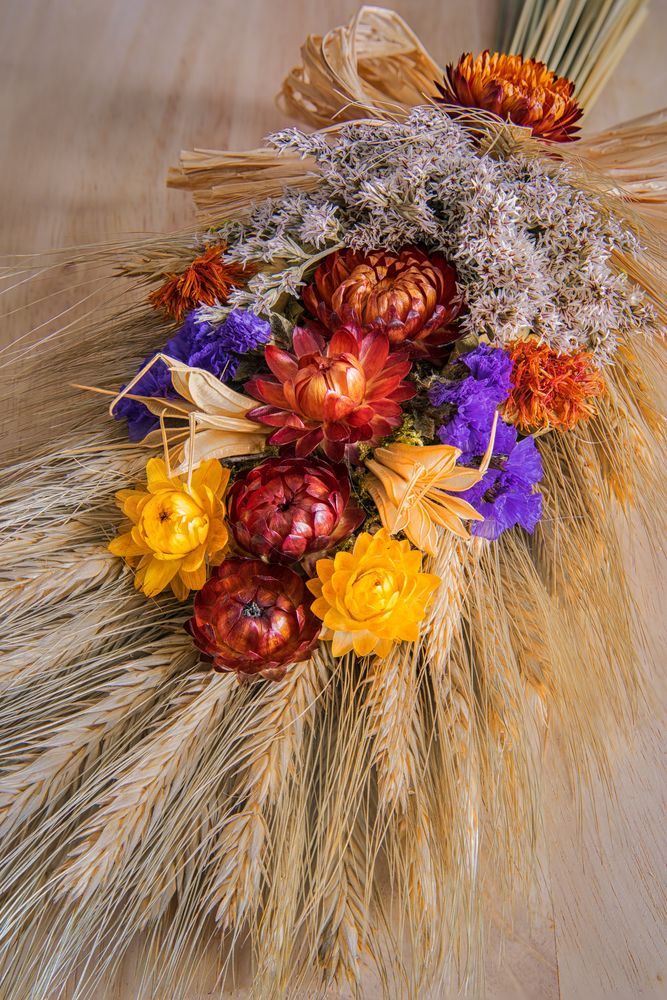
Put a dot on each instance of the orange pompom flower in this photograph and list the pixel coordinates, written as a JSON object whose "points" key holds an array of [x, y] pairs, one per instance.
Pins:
{"points": [[551, 390], [208, 279], [523, 91]]}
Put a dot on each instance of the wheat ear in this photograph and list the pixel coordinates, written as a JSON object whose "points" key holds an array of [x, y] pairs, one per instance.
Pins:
{"points": [[393, 721], [144, 788], [60, 760], [272, 745]]}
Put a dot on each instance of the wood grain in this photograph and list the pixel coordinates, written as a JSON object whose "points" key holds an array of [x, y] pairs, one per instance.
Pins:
{"points": [[98, 98]]}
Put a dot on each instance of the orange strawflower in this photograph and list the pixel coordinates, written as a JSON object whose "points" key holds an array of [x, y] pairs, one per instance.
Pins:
{"points": [[208, 279], [523, 91], [551, 389]]}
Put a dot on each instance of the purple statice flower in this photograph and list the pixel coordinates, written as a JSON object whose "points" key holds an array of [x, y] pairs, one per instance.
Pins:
{"points": [[505, 496], [480, 381], [219, 348], [216, 349], [473, 442], [492, 366]]}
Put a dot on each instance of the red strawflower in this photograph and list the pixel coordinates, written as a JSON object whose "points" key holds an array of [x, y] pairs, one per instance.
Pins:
{"points": [[409, 296], [254, 618], [523, 91], [550, 389], [208, 279], [287, 508], [331, 395]]}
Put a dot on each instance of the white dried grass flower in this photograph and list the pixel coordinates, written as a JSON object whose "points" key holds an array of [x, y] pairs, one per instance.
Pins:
{"points": [[533, 251]]}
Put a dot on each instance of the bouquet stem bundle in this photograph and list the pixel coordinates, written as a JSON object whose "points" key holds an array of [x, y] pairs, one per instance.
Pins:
{"points": [[579, 40]]}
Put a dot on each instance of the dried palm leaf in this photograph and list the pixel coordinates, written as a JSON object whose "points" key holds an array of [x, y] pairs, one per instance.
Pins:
{"points": [[373, 67]]}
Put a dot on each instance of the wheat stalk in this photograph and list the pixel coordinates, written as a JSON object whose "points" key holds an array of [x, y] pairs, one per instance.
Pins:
{"points": [[223, 869], [443, 650], [626, 434], [450, 564], [238, 866], [144, 788], [37, 701], [286, 713], [424, 883], [344, 914], [582, 40], [61, 759], [231, 181], [531, 621], [280, 952], [272, 745], [395, 725], [83, 568]]}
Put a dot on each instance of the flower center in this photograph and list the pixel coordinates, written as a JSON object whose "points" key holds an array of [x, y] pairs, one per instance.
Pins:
{"points": [[252, 610], [370, 593], [493, 492], [322, 376], [172, 523]]}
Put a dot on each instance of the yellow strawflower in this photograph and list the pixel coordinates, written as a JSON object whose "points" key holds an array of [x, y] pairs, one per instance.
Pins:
{"points": [[373, 596], [176, 529]]}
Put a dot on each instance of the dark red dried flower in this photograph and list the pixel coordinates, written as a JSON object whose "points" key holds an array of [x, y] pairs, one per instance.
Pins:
{"points": [[254, 618], [288, 508], [410, 296]]}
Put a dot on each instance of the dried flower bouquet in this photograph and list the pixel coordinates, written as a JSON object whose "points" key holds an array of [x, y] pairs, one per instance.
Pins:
{"points": [[396, 389]]}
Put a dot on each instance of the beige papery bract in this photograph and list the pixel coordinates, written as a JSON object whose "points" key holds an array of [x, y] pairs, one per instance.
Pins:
{"points": [[412, 487], [216, 416]]}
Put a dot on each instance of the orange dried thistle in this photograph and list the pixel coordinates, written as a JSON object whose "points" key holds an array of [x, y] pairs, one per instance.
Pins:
{"points": [[523, 91], [208, 279], [551, 390]]}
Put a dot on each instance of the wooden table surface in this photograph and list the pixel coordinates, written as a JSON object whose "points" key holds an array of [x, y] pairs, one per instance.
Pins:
{"points": [[98, 98]]}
